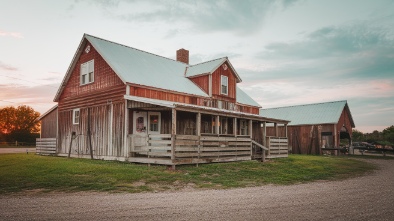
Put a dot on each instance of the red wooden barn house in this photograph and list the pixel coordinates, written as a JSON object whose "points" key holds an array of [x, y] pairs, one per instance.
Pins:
{"points": [[120, 103]]}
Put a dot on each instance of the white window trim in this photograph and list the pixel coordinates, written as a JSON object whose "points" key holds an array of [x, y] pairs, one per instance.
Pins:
{"points": [[85, 71], [222, 77], [158, 123], [79, 116]]}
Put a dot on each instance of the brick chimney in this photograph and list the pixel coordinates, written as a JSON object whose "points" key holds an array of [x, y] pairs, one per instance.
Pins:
{"points": [[182, 55]]}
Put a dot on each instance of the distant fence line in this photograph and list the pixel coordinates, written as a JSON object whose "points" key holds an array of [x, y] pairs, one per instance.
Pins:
{"points": [[16, 143]]}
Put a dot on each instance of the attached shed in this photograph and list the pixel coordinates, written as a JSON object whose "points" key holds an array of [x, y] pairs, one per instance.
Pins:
{"points": [[46, 144], [313, 127]]}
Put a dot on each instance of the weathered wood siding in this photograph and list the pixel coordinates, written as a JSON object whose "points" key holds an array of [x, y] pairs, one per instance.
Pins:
{"points": [[162, 95], [216, 84], [304, 139], [344, 120], [248, 109], [107, 131], [49, 125], [46, 146], [202, 82], [107, 86]]}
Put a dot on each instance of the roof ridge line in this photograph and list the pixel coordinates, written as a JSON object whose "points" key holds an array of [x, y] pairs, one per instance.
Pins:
{"points": [[207, 61], [299, 105], [133, 48]]}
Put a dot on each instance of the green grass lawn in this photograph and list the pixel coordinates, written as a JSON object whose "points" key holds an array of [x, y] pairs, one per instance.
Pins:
{"points": [[22, 172]]}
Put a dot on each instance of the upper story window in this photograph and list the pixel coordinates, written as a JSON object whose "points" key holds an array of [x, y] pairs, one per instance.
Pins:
{"points": [[76, 114], [224, 85], [87, 72]]}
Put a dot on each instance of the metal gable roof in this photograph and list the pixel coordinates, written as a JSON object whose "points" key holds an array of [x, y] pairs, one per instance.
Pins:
{"points": [[205, 67], [143, 68], [209, 67], [244, 98], [309, 114]]}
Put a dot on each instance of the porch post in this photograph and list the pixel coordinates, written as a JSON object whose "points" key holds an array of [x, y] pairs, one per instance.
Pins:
{"points": [[250, 135], [217, 125], [198, 124], [235, 126], [250, 128], [276, 129], [173, 136]]}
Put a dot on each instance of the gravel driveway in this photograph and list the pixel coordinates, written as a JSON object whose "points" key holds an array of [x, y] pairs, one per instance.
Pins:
{"points": [[370, 197]]}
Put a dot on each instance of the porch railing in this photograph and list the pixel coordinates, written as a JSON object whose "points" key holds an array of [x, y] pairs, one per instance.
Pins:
{"points": [[277, 147], [191, 149]]}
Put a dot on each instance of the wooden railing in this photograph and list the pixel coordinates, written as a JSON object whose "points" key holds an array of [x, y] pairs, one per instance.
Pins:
{"points": [[191, 149], [46, 146], [277, 147], [258, 151]]}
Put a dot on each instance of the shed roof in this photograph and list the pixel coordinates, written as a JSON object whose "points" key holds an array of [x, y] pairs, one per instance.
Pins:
{"points": [[310, 114], [177, 105], [244, 98]]}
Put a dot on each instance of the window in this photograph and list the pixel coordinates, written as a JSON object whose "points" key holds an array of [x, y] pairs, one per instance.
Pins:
{"points": [[87, 72], [224, 84], [154, 123], [76, 114], [139, 125], [243, 127]]}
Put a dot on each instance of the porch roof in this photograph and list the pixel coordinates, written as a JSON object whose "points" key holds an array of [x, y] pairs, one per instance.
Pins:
{"points": [[203, 109]]}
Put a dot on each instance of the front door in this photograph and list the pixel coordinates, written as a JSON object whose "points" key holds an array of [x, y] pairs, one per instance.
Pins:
{"points": [[140, 123]]}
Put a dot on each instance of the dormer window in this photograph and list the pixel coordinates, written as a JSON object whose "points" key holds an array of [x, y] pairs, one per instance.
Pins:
{"points": [[224, 85], [87, 72]]}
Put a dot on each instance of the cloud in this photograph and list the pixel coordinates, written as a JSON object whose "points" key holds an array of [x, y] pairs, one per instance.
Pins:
{"points": [[39, 97], [11, 34], [7, 67], [348, 52], [242, 17]]}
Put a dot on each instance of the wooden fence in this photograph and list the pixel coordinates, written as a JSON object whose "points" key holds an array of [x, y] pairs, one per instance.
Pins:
{"points": [[46, 146], [277, 147]]}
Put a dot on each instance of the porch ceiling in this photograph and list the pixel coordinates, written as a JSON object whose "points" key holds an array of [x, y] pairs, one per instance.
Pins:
{"points": [[203, 109]]}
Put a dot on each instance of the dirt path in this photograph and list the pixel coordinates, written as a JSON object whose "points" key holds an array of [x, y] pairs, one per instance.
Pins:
{"points": [[364, 198]]}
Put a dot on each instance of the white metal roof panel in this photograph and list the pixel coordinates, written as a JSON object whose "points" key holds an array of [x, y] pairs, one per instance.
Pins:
{"points": [[143, 68], [244, 98], [309, 114], [205, 67]]}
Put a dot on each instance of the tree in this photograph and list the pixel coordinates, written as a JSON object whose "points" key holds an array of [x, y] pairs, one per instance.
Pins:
{"points": [[17, 123], [357, 135], [388, 134]]}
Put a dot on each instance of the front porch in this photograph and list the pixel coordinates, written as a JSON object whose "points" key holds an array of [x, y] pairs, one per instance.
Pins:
{"points": [[175, 133]]}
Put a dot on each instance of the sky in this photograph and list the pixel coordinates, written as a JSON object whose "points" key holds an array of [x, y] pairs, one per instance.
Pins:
{"points": [[287, 52]]}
